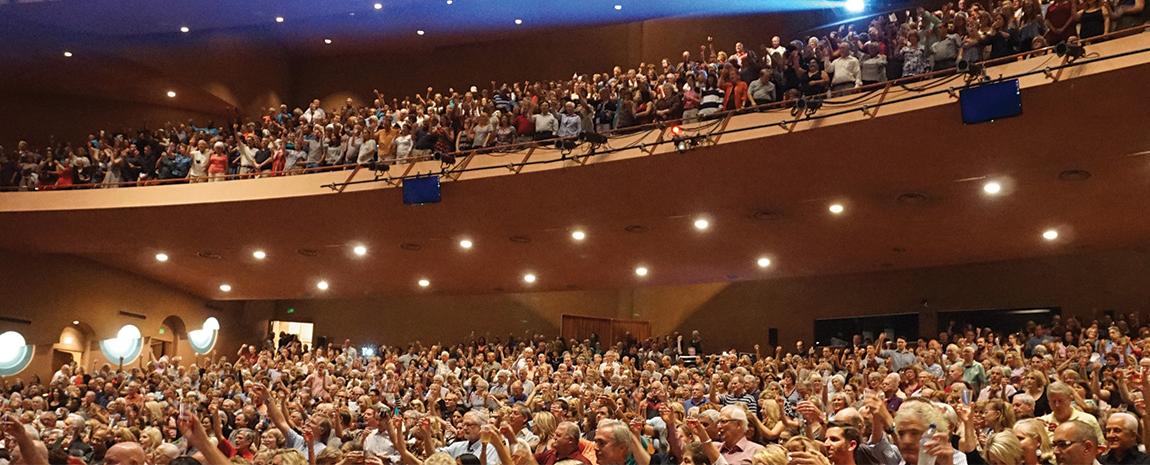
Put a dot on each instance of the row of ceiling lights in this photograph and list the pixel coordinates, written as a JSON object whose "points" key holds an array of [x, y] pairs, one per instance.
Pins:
{"points": [[577, 235], [377, 6], [326, 41], [990, 188], [168, 93]]}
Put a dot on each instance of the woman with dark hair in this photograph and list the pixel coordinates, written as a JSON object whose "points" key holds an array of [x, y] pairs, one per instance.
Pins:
{"points": [[816, 82], [914, 59], [1094, 18]]}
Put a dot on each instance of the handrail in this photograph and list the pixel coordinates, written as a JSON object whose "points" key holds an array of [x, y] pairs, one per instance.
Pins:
{"points": [[550, 143]]}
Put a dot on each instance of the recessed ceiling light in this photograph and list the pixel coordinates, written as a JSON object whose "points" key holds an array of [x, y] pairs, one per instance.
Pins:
{"points": [[836, 208], [321, 285], [327, 41], [992, 188], [618, 7], [259, 255], [1050, 234], [641, 271], [75, 322], [529, 278], [518, 21], [360, 250], [225, 287], [161, 257], [763, 262], [378, 6], [702, 224], [420, 32], [466, 244], [185, 29], [279, 19], [424, 282], [67, 54], [171, 94], [449, 2], [578, 235]]}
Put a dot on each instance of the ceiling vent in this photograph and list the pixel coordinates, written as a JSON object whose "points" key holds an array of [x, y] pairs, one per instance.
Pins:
{"points": [[1074, 175]]}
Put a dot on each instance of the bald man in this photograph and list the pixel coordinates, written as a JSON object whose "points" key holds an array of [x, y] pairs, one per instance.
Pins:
{"points": [[125, 453], [1075, 443]]}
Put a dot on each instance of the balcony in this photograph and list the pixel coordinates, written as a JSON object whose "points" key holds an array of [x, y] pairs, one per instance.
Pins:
{"points": [[899, 160]]}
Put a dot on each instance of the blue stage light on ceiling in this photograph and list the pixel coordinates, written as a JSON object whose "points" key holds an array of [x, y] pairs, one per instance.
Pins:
{"points": [[855, 6]]}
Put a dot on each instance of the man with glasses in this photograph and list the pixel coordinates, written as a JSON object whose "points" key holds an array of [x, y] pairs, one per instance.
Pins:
{"points": [[470, 444], [735, 447], [1075, 444]]}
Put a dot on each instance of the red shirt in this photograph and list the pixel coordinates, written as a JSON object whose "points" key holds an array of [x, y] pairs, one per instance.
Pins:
{"points": [[523, 125], [549, 457], [740, 95], [218, 163]]}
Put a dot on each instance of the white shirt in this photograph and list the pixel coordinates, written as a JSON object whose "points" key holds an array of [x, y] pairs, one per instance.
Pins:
{"points": [[316, 114], [199, 167], [381, 446], [247, 155], [846, 70], [366, 152], [459, 448], [403, 146]]}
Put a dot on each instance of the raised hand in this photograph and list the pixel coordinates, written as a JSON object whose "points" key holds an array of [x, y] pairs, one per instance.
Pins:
{"points": [[637, 426], [668, 415]]}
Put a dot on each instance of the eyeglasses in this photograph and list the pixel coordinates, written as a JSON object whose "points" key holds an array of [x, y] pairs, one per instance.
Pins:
{"points": [[1064, 444]]}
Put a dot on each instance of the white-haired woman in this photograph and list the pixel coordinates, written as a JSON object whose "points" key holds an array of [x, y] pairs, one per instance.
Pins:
{"points": [[218, 162]]}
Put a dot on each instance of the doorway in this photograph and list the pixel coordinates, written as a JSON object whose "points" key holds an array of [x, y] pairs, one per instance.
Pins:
{"points": [[299, 330], [64, 357]]}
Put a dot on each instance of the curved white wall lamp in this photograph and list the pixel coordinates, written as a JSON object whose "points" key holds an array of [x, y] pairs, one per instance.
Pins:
{"points": [[125, 347], [203, 340], [15, 353]]}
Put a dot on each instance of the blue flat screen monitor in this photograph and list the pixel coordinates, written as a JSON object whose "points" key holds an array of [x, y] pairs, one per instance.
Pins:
{"points": [[421, 190], [988, 102]]}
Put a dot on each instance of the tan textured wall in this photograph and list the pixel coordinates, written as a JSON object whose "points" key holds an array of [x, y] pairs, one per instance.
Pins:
{"points": [[431, 318], [739, 314], [52, 290]]}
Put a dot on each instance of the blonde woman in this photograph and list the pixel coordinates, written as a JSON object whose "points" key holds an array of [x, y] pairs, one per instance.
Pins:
{"points": [[1034, 383], [771, 426], [1031, 434], [1003, 448], [150, 437], [997, 416], [543, 424], [771, 454], [805, 449], [271, 440], [287, 457]]}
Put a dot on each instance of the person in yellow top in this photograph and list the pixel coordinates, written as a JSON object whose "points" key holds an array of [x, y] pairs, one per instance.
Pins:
{"points": [[1061, 398]]}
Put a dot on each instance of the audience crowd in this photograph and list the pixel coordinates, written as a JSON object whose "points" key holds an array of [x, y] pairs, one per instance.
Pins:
{"points": [[1066, 393], [697, 85]]}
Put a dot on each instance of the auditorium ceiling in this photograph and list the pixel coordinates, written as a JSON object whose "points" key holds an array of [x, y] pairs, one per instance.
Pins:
{"points": [[911, 185]]}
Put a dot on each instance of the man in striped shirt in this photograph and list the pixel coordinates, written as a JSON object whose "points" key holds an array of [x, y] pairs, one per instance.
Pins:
{"points": [[737, 392]]}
